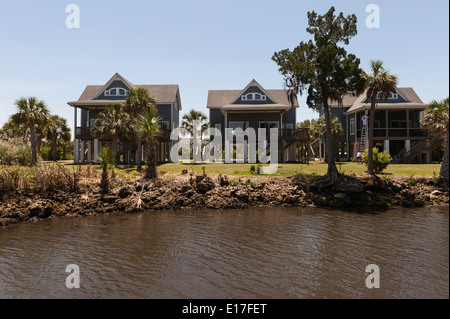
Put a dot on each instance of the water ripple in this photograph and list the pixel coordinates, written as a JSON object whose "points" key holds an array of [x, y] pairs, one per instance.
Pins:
{"points": [[254, 253]]}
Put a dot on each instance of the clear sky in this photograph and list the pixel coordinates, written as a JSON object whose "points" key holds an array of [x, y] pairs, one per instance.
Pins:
{"points": [[201, 45]]}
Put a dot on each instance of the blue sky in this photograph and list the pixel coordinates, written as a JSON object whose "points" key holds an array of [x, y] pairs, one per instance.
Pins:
{"points": [[201, 45]]}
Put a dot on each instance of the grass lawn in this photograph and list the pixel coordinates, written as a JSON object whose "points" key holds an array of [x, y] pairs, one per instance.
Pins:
{"points": [[418, 170]]}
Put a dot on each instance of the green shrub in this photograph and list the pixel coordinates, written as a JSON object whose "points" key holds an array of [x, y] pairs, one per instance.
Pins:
{"points": [[411, 181], [253, 169], [381, 160], [15, 152]]}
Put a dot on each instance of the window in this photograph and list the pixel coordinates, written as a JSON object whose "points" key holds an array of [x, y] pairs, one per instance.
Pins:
{"points": [[269, 124], [253, 96], [289, 126], [116, 92], [352, 126], [398, 124], [164, 124], [392, 96], [235, 124]]}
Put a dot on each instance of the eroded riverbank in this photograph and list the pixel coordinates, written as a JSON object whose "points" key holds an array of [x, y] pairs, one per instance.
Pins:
{"points": [[201, 191]]}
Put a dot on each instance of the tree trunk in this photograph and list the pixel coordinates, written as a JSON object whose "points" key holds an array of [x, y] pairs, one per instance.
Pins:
{"points": [[114, 149], [54, 145], [332, 173], [443, 173], [370, 137], [38, 143], [33, 142], [139, 153], [151, 159]]}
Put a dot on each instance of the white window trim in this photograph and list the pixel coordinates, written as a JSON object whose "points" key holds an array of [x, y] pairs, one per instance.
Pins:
{"points": [[392, 96], [251, 97], [352, 126], [108, 92]]}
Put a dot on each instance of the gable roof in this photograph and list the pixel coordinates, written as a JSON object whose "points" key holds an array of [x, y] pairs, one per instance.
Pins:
{"points": [[252, 83], [163, 93], [222, 98], [358, 104], [115, 77]]}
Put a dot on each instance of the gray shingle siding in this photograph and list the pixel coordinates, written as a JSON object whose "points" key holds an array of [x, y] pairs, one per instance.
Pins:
{"points": [[291, 117], [83, 118], [164, 113], [216, 117], [176, 114]]}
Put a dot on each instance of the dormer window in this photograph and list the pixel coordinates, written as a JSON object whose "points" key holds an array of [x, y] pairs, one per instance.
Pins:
{"points": [[392, 96], [253, 97], [116, 92]]}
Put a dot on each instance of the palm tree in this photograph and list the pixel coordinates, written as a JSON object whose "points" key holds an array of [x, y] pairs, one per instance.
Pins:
{"points": [[150, 129], [318, 129], [16, 127], [380, 81], [189, 119], [436, 119], [42, 125], [57, 130], [137, 103], [113, 122], [188, 122], [32, 112]]}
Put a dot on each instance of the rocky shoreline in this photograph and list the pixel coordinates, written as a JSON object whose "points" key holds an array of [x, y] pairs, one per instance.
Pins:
{"points": [[202, 191]]}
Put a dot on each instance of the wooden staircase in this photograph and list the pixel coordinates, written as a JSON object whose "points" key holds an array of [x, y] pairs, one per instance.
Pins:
{"points": [[290, 136], [299, 137], [420, 147], [314, 144]]}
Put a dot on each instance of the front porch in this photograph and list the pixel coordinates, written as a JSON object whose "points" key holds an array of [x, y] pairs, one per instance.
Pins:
{"points": [[397, 132], [88, 148]]}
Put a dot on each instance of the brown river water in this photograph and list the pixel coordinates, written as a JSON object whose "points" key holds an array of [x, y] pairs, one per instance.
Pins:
{"points": [[252, 253]]}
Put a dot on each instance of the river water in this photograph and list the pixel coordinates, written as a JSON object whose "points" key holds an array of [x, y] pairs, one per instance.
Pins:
{"points": [[253, 253]]}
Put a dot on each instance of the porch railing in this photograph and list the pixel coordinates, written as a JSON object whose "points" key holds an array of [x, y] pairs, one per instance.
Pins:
{"points": [[86, 133], [398, 132]]}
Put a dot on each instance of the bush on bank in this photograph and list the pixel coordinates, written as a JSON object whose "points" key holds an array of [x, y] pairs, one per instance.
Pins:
{"points": [[15, 151], [381, 160]]}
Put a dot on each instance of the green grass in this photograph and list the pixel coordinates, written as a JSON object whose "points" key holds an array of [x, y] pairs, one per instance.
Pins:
{"points": [[319, 168]]}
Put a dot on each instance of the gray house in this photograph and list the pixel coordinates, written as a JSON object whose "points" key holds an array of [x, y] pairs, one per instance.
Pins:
{"points": [[96, 98], [397, 127], [257, 107]]}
